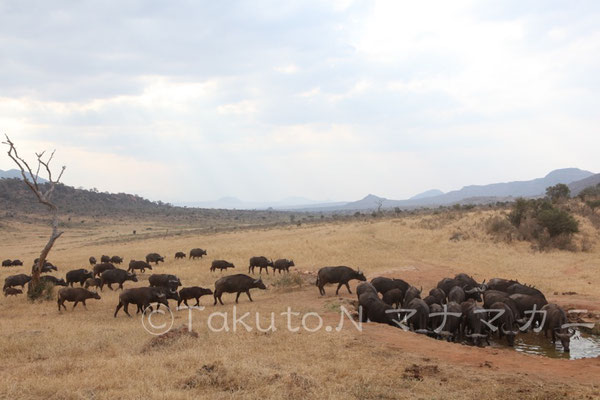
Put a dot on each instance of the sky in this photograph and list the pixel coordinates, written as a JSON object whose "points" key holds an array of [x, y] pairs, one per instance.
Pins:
{"points": [[263, 100]]}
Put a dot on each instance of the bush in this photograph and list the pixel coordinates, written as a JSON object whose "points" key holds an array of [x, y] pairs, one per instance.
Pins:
{"points": [[43, 291], [558, 192], [557, 222]]}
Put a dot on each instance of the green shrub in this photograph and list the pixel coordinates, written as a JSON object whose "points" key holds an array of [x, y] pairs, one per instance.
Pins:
{"points": [[557, 222], [43, 291]]}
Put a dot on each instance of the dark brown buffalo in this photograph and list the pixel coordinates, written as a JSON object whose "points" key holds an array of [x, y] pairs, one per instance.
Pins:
{"points": [[393, 298], [105, 259], [473, 326], [450, 328], [92, 261], [100, 268], [141, 297], [555, 319], [116, 260], [419, 321], [493, 296], [340, 275], [9, 291], [518, 288], [410, 294], [7, 263], [197, 253], [526, 302], [383, 284], [179, 254], [500, 284], [141, 265], [78, 275], [506, 323], [92, 282], [17, 263], [16, 280], [439, 295], [372, 308], [260, 262], [193, 292], [220, 264], [365, 287], [54, 280], [75, 294], [155, 258], [116, 276], [457, 295], [47, 267], [236, 284], [168, 281], [283, 264]]}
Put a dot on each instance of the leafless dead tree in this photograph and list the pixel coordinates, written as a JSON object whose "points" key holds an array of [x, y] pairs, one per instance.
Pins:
{"points": [[43, 194]]}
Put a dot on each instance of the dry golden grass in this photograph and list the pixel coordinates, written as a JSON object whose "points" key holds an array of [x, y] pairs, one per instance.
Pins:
{"points": [[89, 354]]}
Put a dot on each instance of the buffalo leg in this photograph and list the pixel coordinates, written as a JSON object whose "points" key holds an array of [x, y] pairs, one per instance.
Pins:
{"points": [[237, 297], [84, 306], [348, 286], [197, 302], [118, 308], [248, 293], [221, 301], [110, 286], [76, 301], [338, 288], [215, 296], [185, 302]]}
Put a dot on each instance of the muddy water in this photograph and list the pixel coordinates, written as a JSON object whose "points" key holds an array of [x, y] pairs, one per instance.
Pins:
{"points": [[582, 345]]}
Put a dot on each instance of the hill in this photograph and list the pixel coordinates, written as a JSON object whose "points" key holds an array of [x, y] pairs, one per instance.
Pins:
{"points": [[577, 186], [15, 173]]}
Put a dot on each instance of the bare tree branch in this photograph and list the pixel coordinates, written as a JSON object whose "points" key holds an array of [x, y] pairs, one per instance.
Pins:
{"points": [[42, 196]]}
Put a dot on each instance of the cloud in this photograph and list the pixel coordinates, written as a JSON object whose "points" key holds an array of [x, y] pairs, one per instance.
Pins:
{"points": [[323, 100]]}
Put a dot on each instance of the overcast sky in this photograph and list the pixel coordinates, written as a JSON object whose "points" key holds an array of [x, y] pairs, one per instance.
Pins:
{"points": [[189, 101]]}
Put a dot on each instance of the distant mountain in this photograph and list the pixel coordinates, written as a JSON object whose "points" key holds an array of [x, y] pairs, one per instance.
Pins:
{"points": [[288, 203], [15, 173], [577, 186], [477, 194], [427, 194]]}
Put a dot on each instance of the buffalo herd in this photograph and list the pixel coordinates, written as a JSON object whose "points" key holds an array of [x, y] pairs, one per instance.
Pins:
{"points": [[458, 309]]}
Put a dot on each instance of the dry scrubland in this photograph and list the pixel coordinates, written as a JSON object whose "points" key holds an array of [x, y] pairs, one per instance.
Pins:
{"points": [[90, 354]]}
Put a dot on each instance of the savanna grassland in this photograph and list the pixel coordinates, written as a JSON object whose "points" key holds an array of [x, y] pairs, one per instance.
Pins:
{"points": [[91, 355]]}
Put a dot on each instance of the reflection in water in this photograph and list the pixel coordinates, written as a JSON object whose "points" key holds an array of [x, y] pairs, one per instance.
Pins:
{"points": [[582, 345]]}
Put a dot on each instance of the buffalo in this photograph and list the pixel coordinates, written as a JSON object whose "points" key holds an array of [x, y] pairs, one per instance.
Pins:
{"points": [[500, 284], [193, 292], [179, 254], [419, 320], [197, 253], [450, 328], [95, 282], [506, 321], [75, 294], [92, 261], [78, 275], [283, 264], [340, 275], [168, 281], [555, 319], [410, 294], [220, 264], [155, 258], [7, 263], [456, 294], [53, 280], [142, 297], [17, 263], [100, 268], [384, 284], [473, 326], [372, 308], [141, 265], [525, 302], [260, 262], [236, 284], [439, 295], [16, 280], [9, 291], [493, 296], [365, 287], [116, 260], [393, 297], [518, 288], [116, 276], [105, 259]]}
